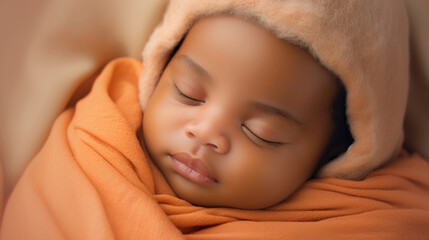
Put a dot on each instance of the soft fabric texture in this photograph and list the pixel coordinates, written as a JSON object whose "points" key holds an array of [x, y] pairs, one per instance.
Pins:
{"points": [[365, 43], [91, 180]]}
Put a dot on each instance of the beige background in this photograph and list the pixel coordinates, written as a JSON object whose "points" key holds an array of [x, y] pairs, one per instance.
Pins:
{"points": [[50, 48]]}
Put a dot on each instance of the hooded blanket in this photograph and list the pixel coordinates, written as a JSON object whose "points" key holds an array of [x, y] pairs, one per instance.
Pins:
{"points": [[92, 180]]}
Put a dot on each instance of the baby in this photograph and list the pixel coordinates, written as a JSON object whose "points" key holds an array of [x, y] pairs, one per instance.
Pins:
{"points": [[239, 117]]}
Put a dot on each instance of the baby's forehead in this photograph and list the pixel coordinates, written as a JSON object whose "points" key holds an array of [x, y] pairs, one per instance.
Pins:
{"points": [[234, 48]]}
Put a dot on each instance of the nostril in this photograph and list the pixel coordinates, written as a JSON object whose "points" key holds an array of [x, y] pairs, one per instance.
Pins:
{"points": [[212, 146], [190, 134]]}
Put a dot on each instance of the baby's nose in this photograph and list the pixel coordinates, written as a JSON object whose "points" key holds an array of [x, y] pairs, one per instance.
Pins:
{"points": [[209, 133]]}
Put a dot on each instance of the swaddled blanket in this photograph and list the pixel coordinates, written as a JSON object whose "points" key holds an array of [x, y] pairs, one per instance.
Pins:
{"points": [[92, 180]]}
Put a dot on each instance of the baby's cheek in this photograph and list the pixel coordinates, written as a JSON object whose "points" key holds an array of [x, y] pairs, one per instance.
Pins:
{"points": [[259, 177], [245, 167]]}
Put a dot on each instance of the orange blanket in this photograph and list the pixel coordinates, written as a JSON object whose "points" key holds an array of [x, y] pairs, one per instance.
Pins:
{"points": [[91, 180]]}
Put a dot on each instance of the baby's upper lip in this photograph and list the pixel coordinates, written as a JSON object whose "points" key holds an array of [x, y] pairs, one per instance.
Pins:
{"points": [[194, 163]]}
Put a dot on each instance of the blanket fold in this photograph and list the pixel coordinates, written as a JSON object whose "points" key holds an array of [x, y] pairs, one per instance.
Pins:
{"points": [[92, 180]]}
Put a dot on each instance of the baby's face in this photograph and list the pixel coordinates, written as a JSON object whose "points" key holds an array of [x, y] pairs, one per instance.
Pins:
{"points": [[239, 117]]}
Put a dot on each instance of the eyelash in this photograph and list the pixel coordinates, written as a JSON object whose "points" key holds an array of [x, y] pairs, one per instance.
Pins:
{"points": [[185, 97], [262, 140], [196, 101]]}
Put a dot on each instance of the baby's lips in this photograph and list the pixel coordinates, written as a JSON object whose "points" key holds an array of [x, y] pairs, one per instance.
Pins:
{"points": [[194, 163]]}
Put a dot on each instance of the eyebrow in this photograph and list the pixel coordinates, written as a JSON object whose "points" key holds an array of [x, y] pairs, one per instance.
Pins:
{"points": [[277, 111], [194, 66]]}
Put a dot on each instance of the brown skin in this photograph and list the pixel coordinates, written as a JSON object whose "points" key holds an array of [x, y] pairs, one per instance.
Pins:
{"points": [[255, 157]]}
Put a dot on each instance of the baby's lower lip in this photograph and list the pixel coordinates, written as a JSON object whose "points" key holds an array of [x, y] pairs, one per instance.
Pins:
{"points": [[191, 173]]}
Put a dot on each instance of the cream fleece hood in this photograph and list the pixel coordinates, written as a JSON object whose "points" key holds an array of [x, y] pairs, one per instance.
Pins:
{"points": [[364, 42]]}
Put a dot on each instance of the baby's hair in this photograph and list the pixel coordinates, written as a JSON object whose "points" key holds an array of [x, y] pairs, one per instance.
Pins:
{"points": [[173, 52], [341, 137]]}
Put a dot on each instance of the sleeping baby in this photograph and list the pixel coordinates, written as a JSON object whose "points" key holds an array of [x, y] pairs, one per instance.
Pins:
{"points": [[241, 118], [246, 120]]}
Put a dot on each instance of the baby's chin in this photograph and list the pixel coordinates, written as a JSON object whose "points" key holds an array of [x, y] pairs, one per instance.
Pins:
{"points": [[215, 196], [236, 204]]}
